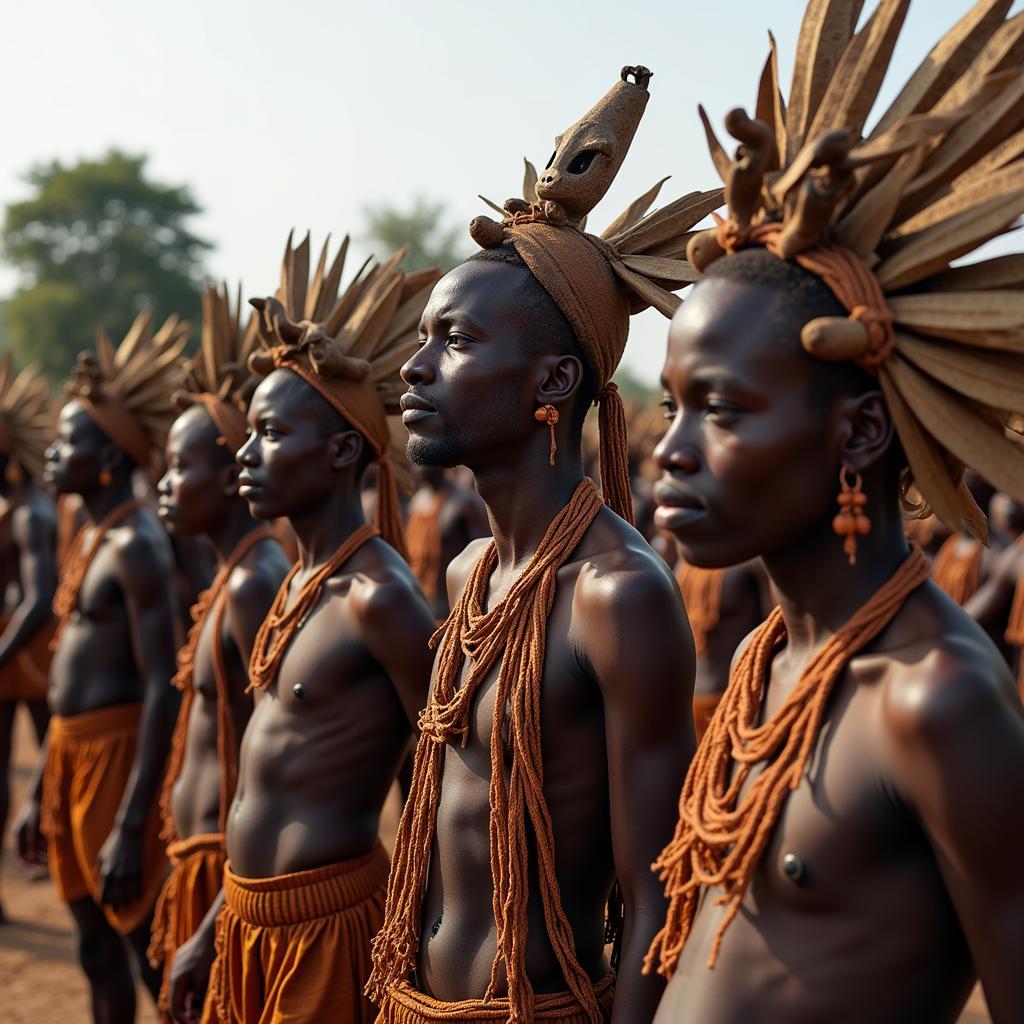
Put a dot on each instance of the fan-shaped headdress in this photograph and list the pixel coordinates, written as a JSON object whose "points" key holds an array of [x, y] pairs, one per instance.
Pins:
{"points": [[128, 391], [219, 378], [598, 281], [26, 417], [880, 218], [350, 348]]}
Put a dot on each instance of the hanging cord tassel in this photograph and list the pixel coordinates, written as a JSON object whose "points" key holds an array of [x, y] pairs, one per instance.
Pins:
{"points": [[614, 453]]}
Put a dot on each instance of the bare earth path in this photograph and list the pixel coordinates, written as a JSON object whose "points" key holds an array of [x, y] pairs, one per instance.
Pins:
{"points": [[40, 982]]}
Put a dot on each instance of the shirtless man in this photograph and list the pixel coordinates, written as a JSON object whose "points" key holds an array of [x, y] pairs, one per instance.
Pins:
{"points": [[443, 518], [28, 574], [845, 850], [110, 694], [545, 764], [341, 671], [199, 499]]}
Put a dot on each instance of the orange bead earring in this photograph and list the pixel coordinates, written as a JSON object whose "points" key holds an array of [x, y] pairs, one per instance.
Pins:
{"points": [[106, 477], [851, 522], [548, 414], [14, 474]]}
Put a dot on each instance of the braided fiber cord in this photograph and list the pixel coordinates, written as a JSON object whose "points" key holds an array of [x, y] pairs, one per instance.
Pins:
{"points": [[282, 623], [512, 634], [723, 831], [79, 559]]}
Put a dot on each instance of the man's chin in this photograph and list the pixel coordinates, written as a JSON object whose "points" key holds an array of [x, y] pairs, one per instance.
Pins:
{"points": [[432, 451]]}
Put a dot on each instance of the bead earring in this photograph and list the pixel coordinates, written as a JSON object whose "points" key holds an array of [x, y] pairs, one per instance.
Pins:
{"points": [[14, 474], [548, 414], [851, 522], [106, 477]]}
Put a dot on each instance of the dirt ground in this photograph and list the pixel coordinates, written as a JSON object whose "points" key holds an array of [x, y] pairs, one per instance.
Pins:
{"points": [[40, 982]]}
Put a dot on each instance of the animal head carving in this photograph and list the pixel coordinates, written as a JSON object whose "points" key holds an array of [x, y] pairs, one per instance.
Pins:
{"points": [[589, 154]]}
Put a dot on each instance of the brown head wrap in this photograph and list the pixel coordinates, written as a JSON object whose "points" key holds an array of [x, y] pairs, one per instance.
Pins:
{"points": [[598, 281], [349, 348], [128, 392]]}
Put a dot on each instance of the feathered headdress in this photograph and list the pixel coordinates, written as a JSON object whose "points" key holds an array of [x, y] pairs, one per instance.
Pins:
{"points": [[879, 218], [26, 417], [350, 348], [598, 281], [219, 378], [128, 391]]}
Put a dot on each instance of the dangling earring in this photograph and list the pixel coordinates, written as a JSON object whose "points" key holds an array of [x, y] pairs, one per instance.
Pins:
{"points": [[548, 414], [851, 522], [106, 477], [14, 474]]}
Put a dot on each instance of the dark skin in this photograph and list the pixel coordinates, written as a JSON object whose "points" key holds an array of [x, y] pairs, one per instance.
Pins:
{"points": [[744, 606], [315, 769], [617, 731], [27, 552], [922, 749], [462, 519], [198, 497], [990, 606], [118, 648]]}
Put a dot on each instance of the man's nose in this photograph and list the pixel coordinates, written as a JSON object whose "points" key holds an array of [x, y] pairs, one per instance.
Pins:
{"points": [[675, 451], [419, 368], [245, 455]]}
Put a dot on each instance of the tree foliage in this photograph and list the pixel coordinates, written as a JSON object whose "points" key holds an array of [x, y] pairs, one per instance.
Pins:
{"points": [[421, 228], [97, 242]]}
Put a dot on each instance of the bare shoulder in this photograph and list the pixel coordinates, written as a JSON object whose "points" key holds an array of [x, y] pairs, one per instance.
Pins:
{"points": [[620, 573], [34, 520], [258, 577], [942, 675], [462, 565], [379, 585], [141, 545]]}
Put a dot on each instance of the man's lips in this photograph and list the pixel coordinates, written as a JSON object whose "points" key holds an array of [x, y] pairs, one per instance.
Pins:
{"points": [[414, 407], [165, 510]]}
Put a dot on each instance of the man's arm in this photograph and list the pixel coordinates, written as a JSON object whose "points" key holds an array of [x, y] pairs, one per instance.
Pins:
{"points": [[144, 568], [640, 649], [34, 541], [957, 732]]}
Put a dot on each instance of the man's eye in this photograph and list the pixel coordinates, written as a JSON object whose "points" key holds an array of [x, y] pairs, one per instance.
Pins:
{"points": [[669, 405], [455, 339], [722, 410]]}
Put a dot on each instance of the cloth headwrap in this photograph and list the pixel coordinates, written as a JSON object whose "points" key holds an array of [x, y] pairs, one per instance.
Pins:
{"points": [[575, 270], [227, 418], [357, 400], [122, 428]]}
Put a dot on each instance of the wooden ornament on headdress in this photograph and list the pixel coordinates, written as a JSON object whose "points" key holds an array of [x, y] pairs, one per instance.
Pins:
{"points": [[598, 281], [881, 217]]}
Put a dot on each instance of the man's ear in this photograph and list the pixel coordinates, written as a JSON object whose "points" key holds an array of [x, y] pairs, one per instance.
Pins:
{"points": [[558, 379], [345, 448], [866, 430]]}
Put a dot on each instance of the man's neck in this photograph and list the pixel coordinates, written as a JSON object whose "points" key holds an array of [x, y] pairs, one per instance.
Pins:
{"points": [[320, 532], [100, 502], [816, 587], [523, 497], [236, 526]]}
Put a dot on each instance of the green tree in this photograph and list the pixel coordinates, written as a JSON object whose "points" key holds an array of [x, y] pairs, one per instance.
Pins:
{"points": [[421, 228], [97, 242]]}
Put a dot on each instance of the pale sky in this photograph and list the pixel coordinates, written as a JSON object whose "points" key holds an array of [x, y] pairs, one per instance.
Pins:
{"points": [[298, 115]]}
